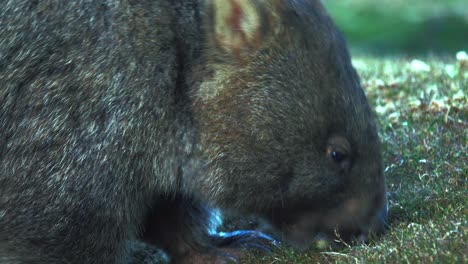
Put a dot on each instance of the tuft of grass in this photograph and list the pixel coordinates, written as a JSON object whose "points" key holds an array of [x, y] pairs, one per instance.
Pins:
{"points": [[422, 111]]}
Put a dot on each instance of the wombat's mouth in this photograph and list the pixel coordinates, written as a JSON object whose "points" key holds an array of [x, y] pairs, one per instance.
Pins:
{"points": [[344, 225]]}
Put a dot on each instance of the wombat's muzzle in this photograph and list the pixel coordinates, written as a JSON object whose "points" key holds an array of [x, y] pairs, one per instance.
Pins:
{"points": [[362, 233], [381, 220], [382, 216], [378, 225], [346, 224]]}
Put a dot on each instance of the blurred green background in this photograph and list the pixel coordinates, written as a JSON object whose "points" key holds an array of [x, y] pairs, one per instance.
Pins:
{"points": [[409, 27]]}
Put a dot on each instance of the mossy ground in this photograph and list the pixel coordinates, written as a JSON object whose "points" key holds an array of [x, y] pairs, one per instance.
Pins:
{"points": [[422, 112]]}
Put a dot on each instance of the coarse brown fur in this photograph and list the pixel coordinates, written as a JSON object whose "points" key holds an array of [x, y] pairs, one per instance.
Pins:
{"points": [[129, 119]]}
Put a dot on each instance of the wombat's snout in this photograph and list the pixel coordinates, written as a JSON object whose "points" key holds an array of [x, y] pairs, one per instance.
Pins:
{"points": [[362, 233], [379, 226], [382, 217], [354, 221], [375, 224]]}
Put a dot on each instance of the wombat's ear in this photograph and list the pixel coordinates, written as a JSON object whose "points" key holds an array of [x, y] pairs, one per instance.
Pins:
{"points": [[238, 27]]}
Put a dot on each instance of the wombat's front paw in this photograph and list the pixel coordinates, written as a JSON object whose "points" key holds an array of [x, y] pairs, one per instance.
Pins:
{"points": [[232, 247], [236, 244], [245, 239]]}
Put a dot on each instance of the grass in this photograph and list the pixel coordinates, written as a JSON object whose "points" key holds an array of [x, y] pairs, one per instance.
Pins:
{"points": [[422, 111]]}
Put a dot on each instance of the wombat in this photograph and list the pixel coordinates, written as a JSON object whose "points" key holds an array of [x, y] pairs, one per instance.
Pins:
{"points": [[129, 119]]}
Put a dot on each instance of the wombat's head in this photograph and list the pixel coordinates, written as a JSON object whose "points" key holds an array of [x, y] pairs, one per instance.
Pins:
{"points": [[283, 122]]}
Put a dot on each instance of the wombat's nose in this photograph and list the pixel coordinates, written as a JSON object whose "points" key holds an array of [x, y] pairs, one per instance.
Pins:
{"points": [[382, 215], [378, 226], [380, 222]]}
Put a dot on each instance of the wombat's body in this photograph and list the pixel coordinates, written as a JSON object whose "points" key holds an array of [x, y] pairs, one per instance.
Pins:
{"points": [[126, 119]]}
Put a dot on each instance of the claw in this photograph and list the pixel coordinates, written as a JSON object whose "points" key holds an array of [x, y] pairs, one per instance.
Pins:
{"points": [[248, 239]]}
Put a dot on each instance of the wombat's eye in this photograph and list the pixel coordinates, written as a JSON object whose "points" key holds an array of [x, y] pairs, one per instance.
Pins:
{"points": [[338, 156], [338, 151]]}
